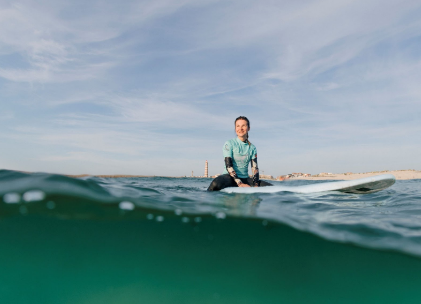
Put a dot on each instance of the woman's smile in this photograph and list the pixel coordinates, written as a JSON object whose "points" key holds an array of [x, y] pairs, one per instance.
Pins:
{"points": [[241, 128]]}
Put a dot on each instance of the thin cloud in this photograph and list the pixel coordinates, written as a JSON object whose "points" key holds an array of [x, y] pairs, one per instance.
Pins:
{"points": [[113, 82]]}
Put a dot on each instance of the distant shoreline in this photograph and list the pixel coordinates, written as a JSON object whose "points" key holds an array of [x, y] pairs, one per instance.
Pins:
{"points": [[399, 174], [122, 175], [127, 176]]}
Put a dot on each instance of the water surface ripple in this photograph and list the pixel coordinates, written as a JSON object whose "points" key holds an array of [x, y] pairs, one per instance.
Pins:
{"points": [[389, 219]]}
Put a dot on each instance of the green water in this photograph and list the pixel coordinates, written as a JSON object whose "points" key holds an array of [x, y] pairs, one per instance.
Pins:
{"points": [[164, 240], [51, 260]]}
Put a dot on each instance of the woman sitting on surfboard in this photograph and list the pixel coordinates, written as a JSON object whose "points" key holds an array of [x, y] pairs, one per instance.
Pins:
{"points": [[238, 153]]}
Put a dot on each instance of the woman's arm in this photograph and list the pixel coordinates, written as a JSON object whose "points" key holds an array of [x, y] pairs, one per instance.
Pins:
{"points": [[231, 171], [255, 171]]}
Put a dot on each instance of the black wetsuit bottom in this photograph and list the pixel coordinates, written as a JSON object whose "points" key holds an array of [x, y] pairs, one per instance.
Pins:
{"points": [[225, 181]]}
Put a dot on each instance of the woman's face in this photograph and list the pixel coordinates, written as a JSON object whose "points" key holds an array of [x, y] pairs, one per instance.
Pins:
{"points": [[241, 127]]}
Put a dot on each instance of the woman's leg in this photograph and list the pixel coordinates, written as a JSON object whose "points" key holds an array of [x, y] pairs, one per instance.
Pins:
{"points": [[262, 182], [221, 182]]}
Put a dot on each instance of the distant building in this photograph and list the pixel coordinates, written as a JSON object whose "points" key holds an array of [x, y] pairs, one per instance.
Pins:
{"points": [[325, 174], [294, 175], [206, 169]]}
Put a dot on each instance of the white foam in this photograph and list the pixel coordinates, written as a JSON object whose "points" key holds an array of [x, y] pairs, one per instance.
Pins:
{"points": [[11, 198], [220, 215], [33, 196], [125, 205]]}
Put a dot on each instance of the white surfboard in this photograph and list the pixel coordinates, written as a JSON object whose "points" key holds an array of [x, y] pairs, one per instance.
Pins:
{"points": [[362, 185]]}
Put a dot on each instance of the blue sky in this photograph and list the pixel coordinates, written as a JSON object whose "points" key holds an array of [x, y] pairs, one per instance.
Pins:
{"points": [[153, 87]]}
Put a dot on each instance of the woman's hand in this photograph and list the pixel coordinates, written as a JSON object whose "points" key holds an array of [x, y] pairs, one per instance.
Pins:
{"points": [[244, 185]]}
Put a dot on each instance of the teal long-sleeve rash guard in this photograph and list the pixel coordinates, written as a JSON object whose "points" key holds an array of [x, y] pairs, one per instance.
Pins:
{"points": [[238, 155]]}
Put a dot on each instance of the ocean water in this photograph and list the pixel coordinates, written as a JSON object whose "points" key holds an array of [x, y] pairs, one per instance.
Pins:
{"points": [[166, 240]]}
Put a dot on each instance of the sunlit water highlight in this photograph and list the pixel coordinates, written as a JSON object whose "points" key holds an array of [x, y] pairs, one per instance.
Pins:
{"points": [[167, 240]]}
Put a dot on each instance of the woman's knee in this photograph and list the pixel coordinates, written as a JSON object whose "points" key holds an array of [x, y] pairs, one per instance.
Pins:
{"points": [[265, 184], [221, 182], [213, 186]]}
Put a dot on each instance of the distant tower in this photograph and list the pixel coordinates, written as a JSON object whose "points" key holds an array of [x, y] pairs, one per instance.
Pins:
{"points": [[192, 174], [206, 169]]}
